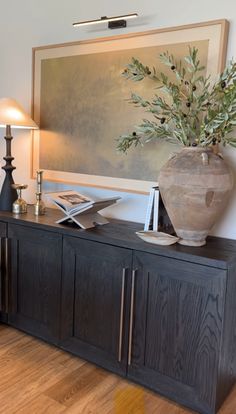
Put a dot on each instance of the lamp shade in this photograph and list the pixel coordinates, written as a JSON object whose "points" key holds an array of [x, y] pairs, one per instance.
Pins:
{"points": [[11, 113]]}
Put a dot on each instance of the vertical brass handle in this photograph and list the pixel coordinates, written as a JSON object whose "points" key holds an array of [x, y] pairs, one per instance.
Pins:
{"points": [[131, 316], [6, 276], [122, 297]]}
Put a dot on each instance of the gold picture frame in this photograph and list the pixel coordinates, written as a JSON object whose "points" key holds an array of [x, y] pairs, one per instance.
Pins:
{"points": [[52, 149]]}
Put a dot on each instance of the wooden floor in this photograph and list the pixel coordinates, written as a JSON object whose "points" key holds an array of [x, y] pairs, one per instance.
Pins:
{"points": [[38, 378]]}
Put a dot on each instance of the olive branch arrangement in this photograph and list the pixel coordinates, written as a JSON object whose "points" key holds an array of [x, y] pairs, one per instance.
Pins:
{"points": [[193, 111]]}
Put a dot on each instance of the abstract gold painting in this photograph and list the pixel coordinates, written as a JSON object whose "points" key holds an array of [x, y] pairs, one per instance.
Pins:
{"points": [[81, 103]]}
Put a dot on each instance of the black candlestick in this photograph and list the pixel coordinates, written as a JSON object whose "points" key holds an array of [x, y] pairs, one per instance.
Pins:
{"points": [[8, 194]]}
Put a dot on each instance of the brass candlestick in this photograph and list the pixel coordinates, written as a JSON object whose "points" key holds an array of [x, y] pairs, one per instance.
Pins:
{"points": [[39, 207], [19, 206]]}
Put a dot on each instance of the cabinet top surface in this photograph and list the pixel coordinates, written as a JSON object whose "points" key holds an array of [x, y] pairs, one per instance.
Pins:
{"points": [[218, 252]]}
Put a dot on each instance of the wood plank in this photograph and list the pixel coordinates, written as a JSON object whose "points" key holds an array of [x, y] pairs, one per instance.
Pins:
{"points": [[27, 369], [100, 399], [76, 385], [41, 404], [38, 378]]}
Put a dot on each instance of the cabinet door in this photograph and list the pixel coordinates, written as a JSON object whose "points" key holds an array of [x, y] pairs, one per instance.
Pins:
{"points": [[175, 328], [35, 278], [94, 302], [3, 274]]}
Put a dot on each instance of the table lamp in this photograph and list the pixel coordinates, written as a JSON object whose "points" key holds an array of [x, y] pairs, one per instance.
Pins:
{"points": [[12, 115]]}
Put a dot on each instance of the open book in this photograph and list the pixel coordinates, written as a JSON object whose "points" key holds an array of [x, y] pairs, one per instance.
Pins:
{"points": [[74, 203]]}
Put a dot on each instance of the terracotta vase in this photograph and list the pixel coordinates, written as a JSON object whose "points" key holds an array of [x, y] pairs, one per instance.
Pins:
{"points": [[195, 185]]}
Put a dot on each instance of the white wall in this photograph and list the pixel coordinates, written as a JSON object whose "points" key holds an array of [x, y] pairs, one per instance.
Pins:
{"points": [[28, 23]]}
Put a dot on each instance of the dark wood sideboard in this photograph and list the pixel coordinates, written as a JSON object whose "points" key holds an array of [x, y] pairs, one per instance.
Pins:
{"points": [[164, 317]]}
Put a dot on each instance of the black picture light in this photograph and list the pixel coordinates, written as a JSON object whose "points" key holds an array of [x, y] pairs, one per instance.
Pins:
{"points": [[114, 22]]}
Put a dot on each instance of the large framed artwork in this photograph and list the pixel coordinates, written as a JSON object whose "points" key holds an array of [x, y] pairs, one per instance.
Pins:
{"points": [[80, 101]]}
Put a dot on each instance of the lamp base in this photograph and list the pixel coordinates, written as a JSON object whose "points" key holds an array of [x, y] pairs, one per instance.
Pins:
{"points": [[8, 194]]}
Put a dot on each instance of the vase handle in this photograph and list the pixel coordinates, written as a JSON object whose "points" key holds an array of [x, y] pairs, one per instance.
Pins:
{"points": [[205, 158], [172, 155]]}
